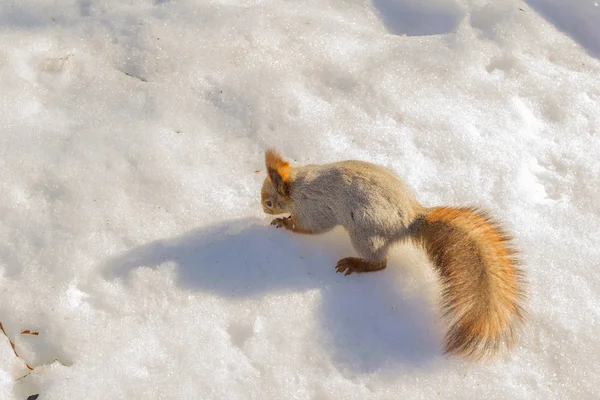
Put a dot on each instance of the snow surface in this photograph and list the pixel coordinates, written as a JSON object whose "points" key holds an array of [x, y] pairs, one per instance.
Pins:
{"points": [[133, 240]]}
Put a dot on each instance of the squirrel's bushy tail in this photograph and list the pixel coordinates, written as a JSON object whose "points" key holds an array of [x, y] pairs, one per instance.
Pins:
{"points": [[483, 286]]}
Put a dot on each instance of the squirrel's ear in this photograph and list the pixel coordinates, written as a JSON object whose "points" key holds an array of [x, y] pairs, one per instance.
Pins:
{"points": [[278, 171]]}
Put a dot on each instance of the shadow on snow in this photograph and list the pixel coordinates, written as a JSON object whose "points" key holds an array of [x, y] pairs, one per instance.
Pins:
{"points": [[367, 320]]}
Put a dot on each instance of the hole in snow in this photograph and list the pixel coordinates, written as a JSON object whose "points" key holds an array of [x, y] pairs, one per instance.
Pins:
{"points": [[580, 20], [504, 63], [240, 333], [419, 18]]}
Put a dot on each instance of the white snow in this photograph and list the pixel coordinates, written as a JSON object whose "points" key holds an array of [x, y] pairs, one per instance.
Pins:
{"points": [[132, 237]]}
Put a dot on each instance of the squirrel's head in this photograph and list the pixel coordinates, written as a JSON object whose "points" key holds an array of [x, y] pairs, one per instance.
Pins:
{"points": [[275, 193], [272, 202]]}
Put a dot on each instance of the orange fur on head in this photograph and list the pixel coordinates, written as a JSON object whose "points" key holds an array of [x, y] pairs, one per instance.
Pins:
{"points": [[278, 171]]}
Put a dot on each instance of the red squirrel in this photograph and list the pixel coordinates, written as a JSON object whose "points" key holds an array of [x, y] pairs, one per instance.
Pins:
{"points": [[482, 282]]}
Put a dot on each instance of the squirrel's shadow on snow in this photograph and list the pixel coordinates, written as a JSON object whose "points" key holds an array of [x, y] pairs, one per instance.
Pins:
{"points": [[368, 321]]}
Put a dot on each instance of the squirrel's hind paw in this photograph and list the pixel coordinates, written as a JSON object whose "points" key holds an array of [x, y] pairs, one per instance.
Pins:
{"points": [[358, 265]]}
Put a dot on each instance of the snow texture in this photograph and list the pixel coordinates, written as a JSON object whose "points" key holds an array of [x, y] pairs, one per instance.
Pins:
{"points": [[131, 159]]}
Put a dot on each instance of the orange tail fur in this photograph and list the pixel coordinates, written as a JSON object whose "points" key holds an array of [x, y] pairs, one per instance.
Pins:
{"points": [[483, 286]]}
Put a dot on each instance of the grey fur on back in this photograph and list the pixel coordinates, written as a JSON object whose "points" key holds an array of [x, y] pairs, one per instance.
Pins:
{"points": [[369, 201]]}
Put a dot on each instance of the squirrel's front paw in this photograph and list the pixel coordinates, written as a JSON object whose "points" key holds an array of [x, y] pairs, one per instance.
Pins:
{"points": [[279, 222]]}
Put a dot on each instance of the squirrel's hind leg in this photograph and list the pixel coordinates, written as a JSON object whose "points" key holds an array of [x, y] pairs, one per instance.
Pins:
{"points": [[372, 249]]}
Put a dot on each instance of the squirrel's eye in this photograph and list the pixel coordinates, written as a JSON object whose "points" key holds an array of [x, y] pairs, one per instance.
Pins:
{"points": [[269, 203]]}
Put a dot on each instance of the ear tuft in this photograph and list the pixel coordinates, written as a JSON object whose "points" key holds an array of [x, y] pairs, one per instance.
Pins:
{"points": [[278, 171]]}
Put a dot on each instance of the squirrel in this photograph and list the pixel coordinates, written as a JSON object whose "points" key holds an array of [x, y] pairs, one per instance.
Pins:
{"points": [[482, 281]]}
